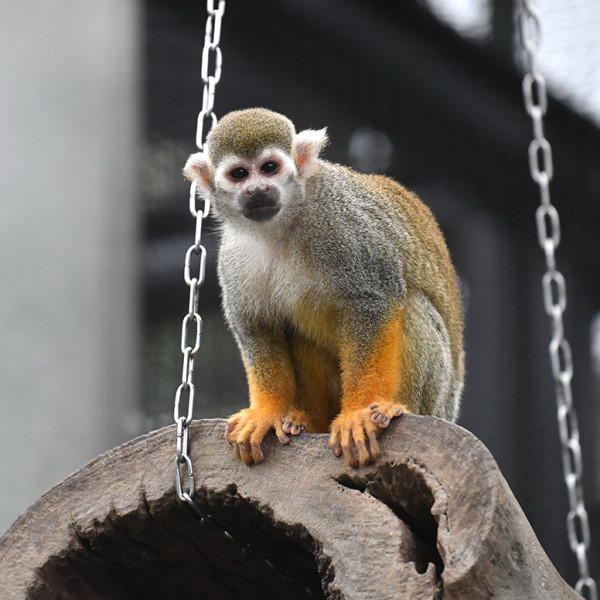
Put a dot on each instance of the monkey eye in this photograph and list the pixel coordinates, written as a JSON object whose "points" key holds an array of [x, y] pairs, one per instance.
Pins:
{"points": [[269, 167], [239, 173]]}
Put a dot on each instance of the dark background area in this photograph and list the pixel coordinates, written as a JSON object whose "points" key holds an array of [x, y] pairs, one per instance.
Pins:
{"points": [[453, 113]]}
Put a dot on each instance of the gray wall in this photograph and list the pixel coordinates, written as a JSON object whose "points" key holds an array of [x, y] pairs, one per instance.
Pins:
{"points": [[69, 78]]}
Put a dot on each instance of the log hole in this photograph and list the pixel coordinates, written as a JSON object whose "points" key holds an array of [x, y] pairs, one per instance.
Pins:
{"points": [[404, 490], [164, 551]]}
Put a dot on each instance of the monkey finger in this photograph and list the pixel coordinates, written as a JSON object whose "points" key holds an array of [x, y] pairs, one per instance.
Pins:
{"points": [[364, 455], [374, 449], [360, 442], [233, 431], [257, 454], [350, 455], [245, 452], [348, 448], [232, 423], [230, 436], [334, 443], [297, 429], [287, 426]]}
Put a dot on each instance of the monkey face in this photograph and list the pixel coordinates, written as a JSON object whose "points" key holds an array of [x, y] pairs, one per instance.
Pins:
{"points": [[256, 181], [257, 188]]}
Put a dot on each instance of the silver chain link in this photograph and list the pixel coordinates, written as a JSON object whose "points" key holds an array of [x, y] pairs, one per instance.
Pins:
{"points": [[555, 299], [191, 327]]}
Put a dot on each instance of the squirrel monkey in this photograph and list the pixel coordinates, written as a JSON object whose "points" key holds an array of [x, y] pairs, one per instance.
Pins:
{"points": [[338, 287]]}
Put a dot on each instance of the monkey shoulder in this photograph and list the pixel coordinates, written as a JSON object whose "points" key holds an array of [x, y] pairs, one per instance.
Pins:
{"points": [[378, 193]]}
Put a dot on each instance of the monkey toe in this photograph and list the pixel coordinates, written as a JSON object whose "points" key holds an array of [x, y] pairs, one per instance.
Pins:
{"points": [[290, 427], [383, 412], [257, 453], [295, 422], [244, 452], [336, 449]]}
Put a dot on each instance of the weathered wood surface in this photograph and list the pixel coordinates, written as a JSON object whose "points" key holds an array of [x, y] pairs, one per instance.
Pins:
{"points": [[433, 519]]}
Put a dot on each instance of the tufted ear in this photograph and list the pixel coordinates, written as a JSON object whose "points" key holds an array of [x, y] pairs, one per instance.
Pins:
{"points": [[308, 145], [198, 169]]}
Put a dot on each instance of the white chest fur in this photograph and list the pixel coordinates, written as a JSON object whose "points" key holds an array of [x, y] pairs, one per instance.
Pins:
{"points": [[271, 276]]}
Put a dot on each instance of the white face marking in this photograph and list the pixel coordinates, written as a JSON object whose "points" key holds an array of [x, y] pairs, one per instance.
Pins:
{"points": [[258, 171], [257, 193]]}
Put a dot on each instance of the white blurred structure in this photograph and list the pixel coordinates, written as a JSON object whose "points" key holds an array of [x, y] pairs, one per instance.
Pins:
{"points": [[68, 238], [569, 54], [471, 18]]}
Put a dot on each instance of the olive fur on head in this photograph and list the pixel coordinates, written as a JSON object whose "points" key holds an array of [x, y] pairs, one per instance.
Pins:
{"points": [[247, 132]]}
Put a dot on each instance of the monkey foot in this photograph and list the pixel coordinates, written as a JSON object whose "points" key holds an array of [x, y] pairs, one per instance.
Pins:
{"points": [[354, 433], [295, 422], [247, 429]]}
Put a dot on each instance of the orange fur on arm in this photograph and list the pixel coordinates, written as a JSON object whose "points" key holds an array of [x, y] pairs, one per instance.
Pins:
{"points": [[377, 377], [271, 383]]}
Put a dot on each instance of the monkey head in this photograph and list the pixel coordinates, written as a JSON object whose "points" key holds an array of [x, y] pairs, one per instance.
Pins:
{"points": [[255, 165]]}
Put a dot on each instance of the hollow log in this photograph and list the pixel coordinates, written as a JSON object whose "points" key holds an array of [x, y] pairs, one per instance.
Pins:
{"points": [[432, 519]]}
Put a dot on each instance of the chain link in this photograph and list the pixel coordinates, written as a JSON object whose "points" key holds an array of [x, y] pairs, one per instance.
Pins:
{"points": [[191, 326], [555, 298], [211, 53]]}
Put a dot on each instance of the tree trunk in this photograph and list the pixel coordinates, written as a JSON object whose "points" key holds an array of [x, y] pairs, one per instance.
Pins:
{"points": [[432, 519]]}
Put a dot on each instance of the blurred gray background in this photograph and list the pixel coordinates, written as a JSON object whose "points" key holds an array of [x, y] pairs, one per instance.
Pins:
{"points": [[70, 138], [98, 104]]}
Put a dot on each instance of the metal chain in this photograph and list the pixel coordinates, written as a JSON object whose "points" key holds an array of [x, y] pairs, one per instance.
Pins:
{"points": [[191, 328], [555, 299]]}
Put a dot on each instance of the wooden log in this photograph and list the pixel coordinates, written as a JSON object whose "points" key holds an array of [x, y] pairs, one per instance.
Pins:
{"points": [[433, 519]]}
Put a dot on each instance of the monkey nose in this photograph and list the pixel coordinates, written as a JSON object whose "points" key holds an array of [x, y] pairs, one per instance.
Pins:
{"points": [[261, 205]]}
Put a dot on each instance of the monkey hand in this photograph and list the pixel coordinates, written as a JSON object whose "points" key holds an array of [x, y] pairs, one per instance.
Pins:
{"points": [[247, 429], [354, 432]]}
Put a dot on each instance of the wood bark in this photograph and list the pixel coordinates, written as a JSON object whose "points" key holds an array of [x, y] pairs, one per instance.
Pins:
{"points": [[432, 519]]}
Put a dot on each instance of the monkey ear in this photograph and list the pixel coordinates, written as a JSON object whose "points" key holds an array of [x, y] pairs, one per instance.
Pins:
{"points": [[308, 145], [198, 169]]}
